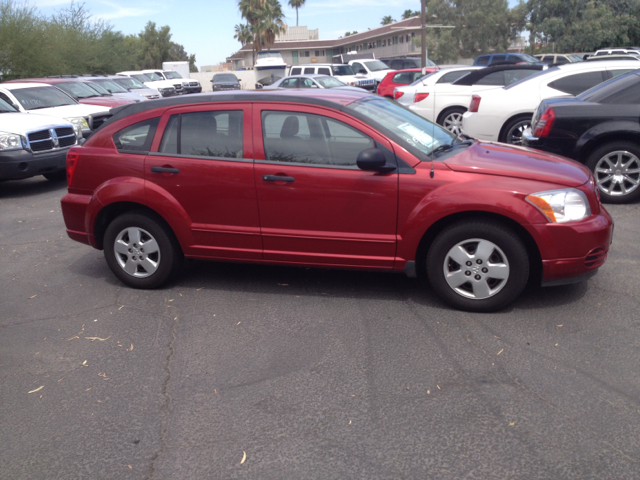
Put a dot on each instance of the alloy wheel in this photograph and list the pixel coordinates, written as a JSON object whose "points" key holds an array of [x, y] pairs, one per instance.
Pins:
{"points": [[618, 173], [137, 252], [453, 123]]}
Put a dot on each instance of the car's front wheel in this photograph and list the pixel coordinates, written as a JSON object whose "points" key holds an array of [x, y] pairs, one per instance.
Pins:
{"points": [[141, 250], [478, 266], [616, 168]]}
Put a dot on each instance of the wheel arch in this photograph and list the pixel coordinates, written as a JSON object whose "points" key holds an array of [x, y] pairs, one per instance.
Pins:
{"points": [[448, 110], [535, 259], [589, 146], [503, 129]]}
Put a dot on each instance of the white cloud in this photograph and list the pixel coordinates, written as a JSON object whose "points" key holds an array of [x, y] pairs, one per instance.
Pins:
{"points": [[123, 12]]}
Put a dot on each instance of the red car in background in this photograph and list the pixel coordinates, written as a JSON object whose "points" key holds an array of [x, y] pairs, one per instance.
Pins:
{"points": [[330, 178], [400, 78], [80, 91]]}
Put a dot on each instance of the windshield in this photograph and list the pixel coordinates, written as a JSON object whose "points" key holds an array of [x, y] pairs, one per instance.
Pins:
{"points": [[98, 89], [415, 133], [129, 83], [329, 82], [269, 54], [528, 58], [226, 78], [172, 74], [77, 90], [112, 86], [422, 79], [42, 97], [342, 70], [5, 107], [156, 77], [376, 66], [535, 75], [142, 78], [575, 58]]}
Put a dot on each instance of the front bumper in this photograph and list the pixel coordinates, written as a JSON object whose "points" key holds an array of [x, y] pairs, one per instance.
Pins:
{"points": [[192, 88], [572, 251], [18, 164]]}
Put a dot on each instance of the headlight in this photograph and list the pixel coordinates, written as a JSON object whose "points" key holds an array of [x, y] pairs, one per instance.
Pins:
{"points": [[10, 141], [560, 206], [78, 123]]}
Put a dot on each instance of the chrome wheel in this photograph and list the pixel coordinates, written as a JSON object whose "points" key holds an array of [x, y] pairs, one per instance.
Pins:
{"points": [[453, 123], [137, 252], [476, 269], [618, 173], [514, 134]]}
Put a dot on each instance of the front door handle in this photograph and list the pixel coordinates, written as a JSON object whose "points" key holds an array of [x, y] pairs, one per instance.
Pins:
{"points": [[164, 170], [277, 178]]}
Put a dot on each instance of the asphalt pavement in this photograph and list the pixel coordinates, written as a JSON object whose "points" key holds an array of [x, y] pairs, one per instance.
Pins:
{"points": [[259, 372]]}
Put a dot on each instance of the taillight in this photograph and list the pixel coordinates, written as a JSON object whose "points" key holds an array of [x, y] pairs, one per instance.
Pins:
{"points": [[397, 94], [72, 160], [544, 123], [475, 103], [419, 97]]}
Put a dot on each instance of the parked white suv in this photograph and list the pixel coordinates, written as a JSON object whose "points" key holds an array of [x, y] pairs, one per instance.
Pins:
{"points": [[502, 115], [165, 87], [33, 144], [49, 100], [188, 85], [342, 72]]}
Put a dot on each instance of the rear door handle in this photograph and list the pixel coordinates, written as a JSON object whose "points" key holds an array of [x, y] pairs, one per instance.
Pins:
{"points": [[164, 170], [277, 178]]}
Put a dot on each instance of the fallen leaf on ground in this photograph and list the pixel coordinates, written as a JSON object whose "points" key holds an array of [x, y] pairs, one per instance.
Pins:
{"points": [[500, 351], [438, 387], [130, 349], [98, 338], [121, 307], [88, 389], [130, 467], [34, 296], [37, 389], [73, 338], [512, 424], [244, 457], [238, 323]]}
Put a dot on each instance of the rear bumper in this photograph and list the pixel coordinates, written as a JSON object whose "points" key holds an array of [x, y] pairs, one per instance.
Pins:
{"points": [[74, 212], [18, 164], [574, 251]]}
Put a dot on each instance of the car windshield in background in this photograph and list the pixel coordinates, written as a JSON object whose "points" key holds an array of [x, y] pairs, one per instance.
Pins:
{"points": [[376, 66], [154, 76], [225, 78], [77, 89], [129, 83], [539, 74], [575, 58], [143, 78], [42, 97], [172, 75], [5, 107], [528, 58], [98, 88], [413, 131], [342, 70], [329, 82], [113, 87]]}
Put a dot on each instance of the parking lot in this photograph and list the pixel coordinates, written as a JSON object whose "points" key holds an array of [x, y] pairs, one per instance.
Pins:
{"points": [[246, 371]]}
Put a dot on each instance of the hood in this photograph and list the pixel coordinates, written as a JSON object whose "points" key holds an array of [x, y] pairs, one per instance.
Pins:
{"points": [[108, 102], [518, 162], [23, 123], [134, 97], [66, 111]]}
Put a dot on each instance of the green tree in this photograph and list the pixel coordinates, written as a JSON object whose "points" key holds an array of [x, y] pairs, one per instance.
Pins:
{"points": [[264, 19], [296, 4], [156, 45], [386, 20], [409, 13]]}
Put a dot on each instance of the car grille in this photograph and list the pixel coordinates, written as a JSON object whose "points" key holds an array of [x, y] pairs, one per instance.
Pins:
{"points": [[366, 82], [178, 86], [595, 258], [52, 139], [193, 84]]}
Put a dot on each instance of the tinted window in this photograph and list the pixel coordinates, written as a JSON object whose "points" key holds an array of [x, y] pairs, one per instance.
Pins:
{"points": [[498, 58], [452, 76], [307, 83], [136, 138], [324, 71], [289, 83], [547, 59], [409, 64], [204, 134], [512, 76], [483, 60], [560, 59], [295, 71], [359, 68], [309, 70], [404, 78], [622, 90], [305, 138], [578, 83], [495, 78], [617, 73]]}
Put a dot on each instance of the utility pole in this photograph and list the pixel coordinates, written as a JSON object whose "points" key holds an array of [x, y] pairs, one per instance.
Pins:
{"points": [[423, 35]]}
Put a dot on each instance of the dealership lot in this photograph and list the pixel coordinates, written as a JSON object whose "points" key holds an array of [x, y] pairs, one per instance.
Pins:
{"points": [[245, 371]]}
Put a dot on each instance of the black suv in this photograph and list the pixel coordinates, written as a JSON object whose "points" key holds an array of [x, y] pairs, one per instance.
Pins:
{"points": [[225, 81]]}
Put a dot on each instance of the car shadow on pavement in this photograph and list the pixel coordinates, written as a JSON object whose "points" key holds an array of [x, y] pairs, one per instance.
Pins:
{"points": [[31, 186]]}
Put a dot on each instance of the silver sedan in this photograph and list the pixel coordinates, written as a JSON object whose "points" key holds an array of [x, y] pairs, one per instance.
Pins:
{"points": [[310, 81]]}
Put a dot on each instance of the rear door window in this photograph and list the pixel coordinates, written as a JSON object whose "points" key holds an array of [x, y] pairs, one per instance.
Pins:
{"points": [[452, 76], [289, 83], [578, 83], [403, 78], [295, 71], [136, 138], [324, 71], [498, 59], [561, 59], [309, 70], [204, 134], [483, 60]]}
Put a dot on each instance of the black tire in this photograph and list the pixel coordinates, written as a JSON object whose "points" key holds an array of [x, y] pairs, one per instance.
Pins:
{"points": [[58, 176], [506, 255], [513, 129], [622, 156], [135, 267], [451, 119]]}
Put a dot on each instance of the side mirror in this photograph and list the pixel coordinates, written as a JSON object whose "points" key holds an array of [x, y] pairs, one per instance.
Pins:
{"points": [[239, 80], [373, 160]]}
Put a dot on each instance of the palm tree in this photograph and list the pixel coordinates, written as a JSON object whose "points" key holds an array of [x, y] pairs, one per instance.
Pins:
{"points": [[270, 22], [296, 4], [409, 13], [245, 36], [386, 20]]}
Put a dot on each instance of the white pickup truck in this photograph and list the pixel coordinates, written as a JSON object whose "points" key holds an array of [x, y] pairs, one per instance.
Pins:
{"points": [[374, 69]]}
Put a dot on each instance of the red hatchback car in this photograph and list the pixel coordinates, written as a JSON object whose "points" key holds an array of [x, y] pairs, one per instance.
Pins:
{"points": [[329, 179], [400, 78]]}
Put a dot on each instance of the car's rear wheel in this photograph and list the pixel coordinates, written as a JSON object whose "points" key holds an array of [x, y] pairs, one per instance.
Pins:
{"points": [[616, 168], [141, 250], [513, 130], [452, 120], [478, 266]]}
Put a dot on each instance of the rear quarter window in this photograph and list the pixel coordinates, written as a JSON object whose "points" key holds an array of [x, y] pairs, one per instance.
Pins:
{"points": [[578, 83], [136, 138], [484, 60]]}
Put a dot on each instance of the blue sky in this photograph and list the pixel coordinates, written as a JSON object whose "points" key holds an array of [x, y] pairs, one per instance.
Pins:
{"points": [[206, 27]]}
